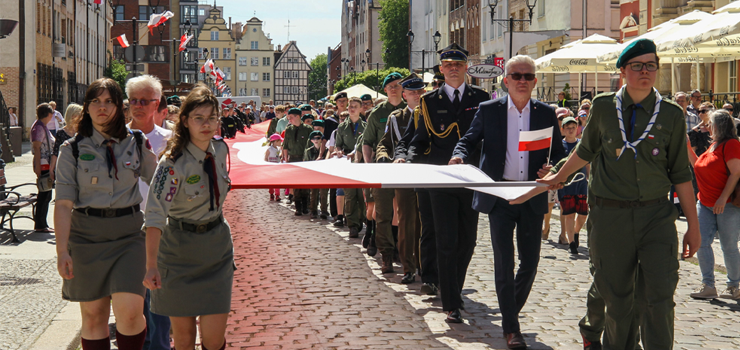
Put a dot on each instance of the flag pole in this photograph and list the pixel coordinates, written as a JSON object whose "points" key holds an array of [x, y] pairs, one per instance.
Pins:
{"points": [[549, 151]]}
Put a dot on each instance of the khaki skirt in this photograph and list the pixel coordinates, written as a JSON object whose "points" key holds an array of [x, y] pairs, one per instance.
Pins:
{"points": [[108, 256], [197, 271]]}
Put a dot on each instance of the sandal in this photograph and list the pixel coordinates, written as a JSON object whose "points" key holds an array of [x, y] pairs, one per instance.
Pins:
{"points": [[546, 233]]}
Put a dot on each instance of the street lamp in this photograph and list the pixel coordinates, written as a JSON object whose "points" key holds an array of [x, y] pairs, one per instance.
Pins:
{"points": [[410, 35], [437, 38], [492, 4], [362, 63], [354, 76]]}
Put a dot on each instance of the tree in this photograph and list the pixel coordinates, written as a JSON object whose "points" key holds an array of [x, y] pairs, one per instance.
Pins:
{"points": [[370, 78], [317, 77], [393, 24], [116, 70]]}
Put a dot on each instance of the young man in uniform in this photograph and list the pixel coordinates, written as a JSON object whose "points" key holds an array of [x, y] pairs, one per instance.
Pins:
{"points": [[294, 146], [445, 116], [331, 124], [636, 143], [376, 122], [408, 229], [346, 140], [367, 103]]}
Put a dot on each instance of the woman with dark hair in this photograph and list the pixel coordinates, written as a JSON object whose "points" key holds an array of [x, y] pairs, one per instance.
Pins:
{"points": [[189, 252], [717, 173], [42, 142], [100, 243]]}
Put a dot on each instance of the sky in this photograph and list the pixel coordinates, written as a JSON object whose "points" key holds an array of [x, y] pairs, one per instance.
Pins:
{"points": [[315, 25]]}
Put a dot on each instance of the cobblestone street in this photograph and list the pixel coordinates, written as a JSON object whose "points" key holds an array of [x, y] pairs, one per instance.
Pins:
{"points": [[303, 284]]}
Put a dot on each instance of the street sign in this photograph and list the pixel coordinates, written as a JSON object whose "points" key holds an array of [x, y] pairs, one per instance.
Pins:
{"points": [[130, 67], [129, 51], [485, 71], [59, 50]]}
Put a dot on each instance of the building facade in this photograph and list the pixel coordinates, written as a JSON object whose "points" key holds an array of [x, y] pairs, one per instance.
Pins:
{"points": [[333, 67], [291, 75], [361, 44], [255, 69], [217, 42]]}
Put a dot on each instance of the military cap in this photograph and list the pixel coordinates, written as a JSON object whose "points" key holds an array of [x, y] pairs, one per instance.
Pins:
{"points": [[634, 49], [412, 82], [567, 120], [391, 77], [307, 116], [314, 134], [454, 52], [318, 122], [439, 76], [366, 97], [305, 107], [340, 95], [173, 99], [295, 111]]}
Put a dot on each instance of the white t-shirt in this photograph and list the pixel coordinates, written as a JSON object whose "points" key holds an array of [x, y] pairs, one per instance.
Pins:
{"points": [[158, 138], [55, 121]]}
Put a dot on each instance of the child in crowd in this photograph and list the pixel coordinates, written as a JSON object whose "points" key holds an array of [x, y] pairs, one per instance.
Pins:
{"points": [[573, 198], [312, 153], [272, 155]]}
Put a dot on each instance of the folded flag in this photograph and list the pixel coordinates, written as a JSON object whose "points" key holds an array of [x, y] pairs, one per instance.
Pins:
{"points": [[535, 140], [122, 40], [157, 19], [184, 41]]}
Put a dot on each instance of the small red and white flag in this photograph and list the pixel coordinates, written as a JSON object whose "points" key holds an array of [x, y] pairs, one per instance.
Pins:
{"points": [[226, 103], [207, 67], [157, 19], [219, 75], [99, 2], [122, 40], [535, 140], [184, 41]]}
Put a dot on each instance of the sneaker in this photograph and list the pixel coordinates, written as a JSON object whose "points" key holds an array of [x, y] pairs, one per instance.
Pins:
{"points": [[314, 215], [339, 222], [705, 292], [272, 197], [277, 199], [591, 345], [731, 293]]}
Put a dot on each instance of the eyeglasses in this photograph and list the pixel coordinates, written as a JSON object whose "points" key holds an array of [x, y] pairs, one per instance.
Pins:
{"points": [[729, 109], [316, 139], [695, 96], [703, 111], [198, 121], [637, 66], [142, 103], [526, 76]]}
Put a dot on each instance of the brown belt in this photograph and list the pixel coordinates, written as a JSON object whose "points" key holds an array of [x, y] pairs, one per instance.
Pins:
{"points": [[610, 203], [109, 213], [197, 228]]}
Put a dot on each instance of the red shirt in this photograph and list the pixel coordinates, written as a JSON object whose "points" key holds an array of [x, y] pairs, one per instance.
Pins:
{"points": [[711, 171]]}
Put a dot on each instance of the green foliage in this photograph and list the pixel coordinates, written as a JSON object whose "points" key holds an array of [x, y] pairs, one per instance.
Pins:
{"points": [[393, 24], [116, 70], [317, 77], [566, 90], [370, 78]]}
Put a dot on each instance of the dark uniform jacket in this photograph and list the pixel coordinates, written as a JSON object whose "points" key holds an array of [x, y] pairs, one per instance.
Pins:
{"points": [[296, 140]]}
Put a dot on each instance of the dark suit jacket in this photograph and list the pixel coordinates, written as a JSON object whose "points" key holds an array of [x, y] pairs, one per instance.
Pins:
{"points": [[490, 125]]}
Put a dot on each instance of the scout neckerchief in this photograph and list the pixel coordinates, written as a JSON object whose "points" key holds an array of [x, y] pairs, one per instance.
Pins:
{"points": [[632, 145], [209, 166], [110, 157]]}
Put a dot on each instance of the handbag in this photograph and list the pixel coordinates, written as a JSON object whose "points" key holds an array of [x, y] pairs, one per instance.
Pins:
{"points": [[735, 196], [44, 183]]}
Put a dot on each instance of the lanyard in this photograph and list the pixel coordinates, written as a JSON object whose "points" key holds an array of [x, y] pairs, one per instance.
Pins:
{"points": [[632, 145], [354, 133]]}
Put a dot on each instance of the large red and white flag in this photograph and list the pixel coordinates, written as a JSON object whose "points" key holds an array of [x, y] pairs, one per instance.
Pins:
{"points": [[122, 40], [184, 41], [157, 19], [207, 67], [535, 140]]}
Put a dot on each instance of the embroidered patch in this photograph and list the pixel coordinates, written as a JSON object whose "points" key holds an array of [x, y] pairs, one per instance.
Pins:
{"points": [[651, 136], [193, 179], [148, 145], [160, 179], [658, 126], [384, 120], [87, 156], [174, 182], [655, 151], [171, 194], [127, 163], [442, 127]]}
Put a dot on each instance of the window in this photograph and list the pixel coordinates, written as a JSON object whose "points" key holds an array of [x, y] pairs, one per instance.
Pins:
{"points": [[286, 89], [119, 13], [227, 53], [145, 12], [255, 45], [255, 77], [200, 53], [242, 61], [155, 53], [286, 74], [255, 61], [242, 91], [265, 76], [214, 35], [295, 89], [265, 92], [227, 72], [265, 61], [201, 12], [242, 76], [541, 12], [214, 53], [189, 14], [295, 74], [254, 92]]}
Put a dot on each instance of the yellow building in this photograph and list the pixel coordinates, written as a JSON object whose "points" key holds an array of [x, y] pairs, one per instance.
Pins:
{"points": [[216, 42], [255, 65]]}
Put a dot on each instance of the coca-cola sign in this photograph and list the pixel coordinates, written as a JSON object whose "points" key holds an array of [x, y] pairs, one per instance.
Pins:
{"points": [[485, 71], [580, 62]]}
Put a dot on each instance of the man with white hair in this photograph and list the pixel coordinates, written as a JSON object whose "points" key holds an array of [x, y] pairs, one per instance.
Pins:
{"points": [[56, 121], [144, 96]]}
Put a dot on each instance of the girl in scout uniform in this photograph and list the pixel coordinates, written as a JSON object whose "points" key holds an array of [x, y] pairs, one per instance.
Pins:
{"points": [[100, 244], [190, 260]]}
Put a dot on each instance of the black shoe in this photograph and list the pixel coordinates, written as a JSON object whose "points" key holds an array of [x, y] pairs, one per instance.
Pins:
{"points": [[340, 221], [429, 289], [515, 340], [353, 232], [454, 316], [366, 239], [575, 239], [372, 249], [408, 278], [290, 198], [314, 215], [298, 212], [323, 216], [574, 248], [590, 345], [305, 210]]}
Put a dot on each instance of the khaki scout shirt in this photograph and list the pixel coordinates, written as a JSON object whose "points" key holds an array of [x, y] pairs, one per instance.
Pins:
{"points": [[397, 123], [661, 159], [180, 187], [296, 139], [376, 122], [88, 184], [347, 134]]}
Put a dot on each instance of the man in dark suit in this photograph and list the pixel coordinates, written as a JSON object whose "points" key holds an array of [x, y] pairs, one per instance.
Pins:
{"points": [[498, 123], [444, 115]]}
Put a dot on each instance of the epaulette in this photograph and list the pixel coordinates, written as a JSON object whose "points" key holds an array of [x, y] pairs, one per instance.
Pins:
{"points": [[610, 95], [398, 112], [673, 104], [428, 93]]}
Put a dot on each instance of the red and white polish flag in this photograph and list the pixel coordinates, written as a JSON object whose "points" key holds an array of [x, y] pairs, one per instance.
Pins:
{"points": [[207, 67], [184, 41], [157, 19], [535, 140], [122, 40], [99, 2]]}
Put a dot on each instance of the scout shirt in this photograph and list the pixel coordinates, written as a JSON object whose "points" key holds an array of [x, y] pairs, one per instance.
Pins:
{"points": [[661, 159], [296, 139], [347, 134], [180, 187], [312, 153], [376, 122], [394, 131], [88, 183]]}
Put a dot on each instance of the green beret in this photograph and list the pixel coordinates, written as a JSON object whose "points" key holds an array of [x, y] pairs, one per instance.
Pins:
{"points": [[318, 122], [366, 97], [314, 134], [307, 116], [391, 77], [305, 107], [295, 111], [634, 49]]}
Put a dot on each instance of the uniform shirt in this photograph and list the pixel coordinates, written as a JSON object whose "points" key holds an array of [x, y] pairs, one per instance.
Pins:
{"points": [[450, 91], [312, 153], [158, 138], [516, 167], [296, 139], [347, 134], [376, 122], [661, 159], [397, 124], [180, 187], [87, 181]]}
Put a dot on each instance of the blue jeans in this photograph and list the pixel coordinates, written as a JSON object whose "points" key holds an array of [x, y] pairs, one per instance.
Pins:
{"points": [[158, 328], [727, 226]]}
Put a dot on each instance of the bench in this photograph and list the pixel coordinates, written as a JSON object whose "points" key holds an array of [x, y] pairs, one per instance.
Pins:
{"points": [[12, 203]]}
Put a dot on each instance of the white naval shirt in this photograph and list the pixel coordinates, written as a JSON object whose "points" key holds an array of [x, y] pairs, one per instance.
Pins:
{"points": [[516, 167]]}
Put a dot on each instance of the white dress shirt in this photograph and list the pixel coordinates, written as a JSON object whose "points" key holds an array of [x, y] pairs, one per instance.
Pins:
{"points": [[450, 91], [517, 163]]}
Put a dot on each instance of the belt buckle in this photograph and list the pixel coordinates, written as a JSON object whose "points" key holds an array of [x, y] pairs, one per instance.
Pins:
{"points": [[202, 228], [634, 204], [110, 213]]}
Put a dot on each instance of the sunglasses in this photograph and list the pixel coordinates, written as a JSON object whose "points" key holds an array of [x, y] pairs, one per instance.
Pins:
{"points": [[519, 76], [729, 109], [436, 84], [142, 103], [316, 139], [703, 111]]}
